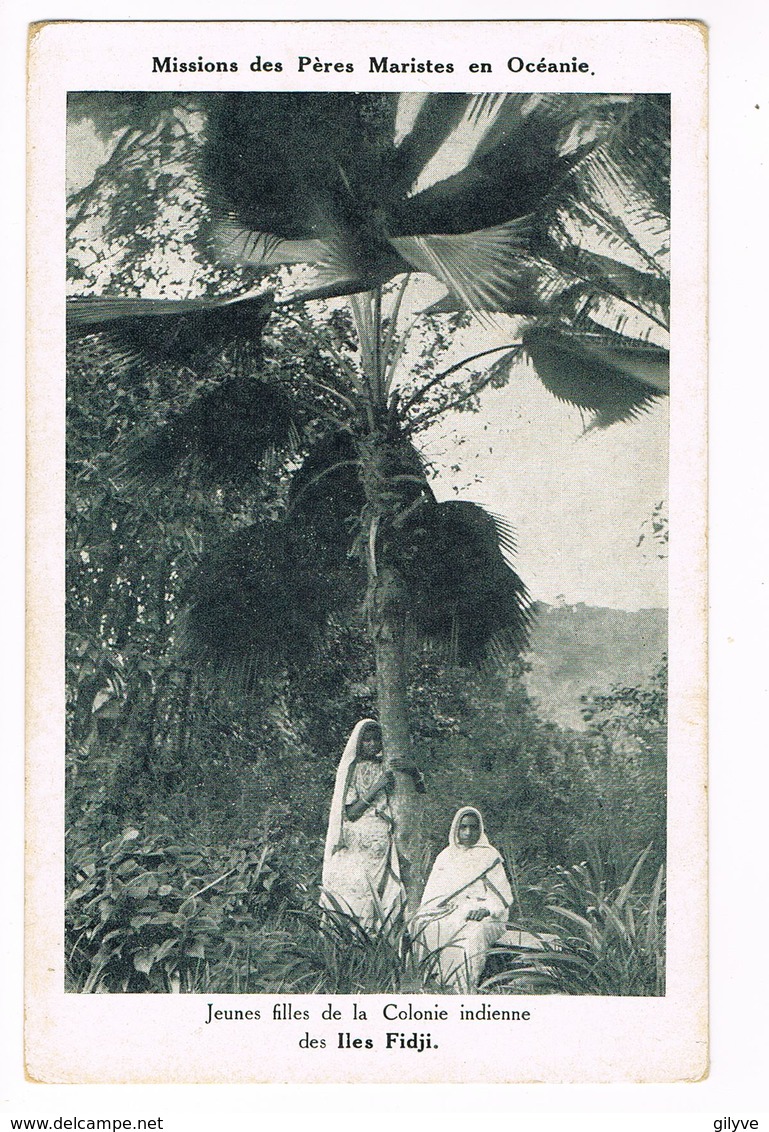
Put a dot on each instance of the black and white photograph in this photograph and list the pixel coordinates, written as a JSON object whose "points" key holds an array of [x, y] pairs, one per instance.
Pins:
{"points": [[274, 536], [369, 486]]}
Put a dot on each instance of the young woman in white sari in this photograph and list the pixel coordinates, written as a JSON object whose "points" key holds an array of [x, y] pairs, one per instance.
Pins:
{"points": [[464, 906], [361, 870]]}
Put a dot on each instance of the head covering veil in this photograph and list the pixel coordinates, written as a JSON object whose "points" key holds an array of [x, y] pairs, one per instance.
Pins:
{"points": [[458, 867], [334, 834], [482, 842]]}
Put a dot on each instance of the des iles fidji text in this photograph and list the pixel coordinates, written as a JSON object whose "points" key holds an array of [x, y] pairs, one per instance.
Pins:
{"points": [[413, 1041]]}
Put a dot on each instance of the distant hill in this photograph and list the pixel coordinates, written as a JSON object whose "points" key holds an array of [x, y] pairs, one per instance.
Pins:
{"points": [[579, 649]]}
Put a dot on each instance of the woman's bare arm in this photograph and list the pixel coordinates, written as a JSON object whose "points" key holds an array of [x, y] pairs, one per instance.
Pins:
{"points": [[355, 810]]}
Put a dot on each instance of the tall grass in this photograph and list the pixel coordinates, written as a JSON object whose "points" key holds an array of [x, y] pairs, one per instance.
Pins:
{"points": [[144, 915], [344, 957], [607, 941], [593, 939]]}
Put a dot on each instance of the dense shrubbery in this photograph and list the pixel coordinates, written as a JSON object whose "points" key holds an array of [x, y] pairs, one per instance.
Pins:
{"points": [[218, 891], [624, 805], [146, 915]]}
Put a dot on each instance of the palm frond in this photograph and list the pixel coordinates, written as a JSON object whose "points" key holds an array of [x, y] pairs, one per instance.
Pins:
{"points": [[638, 151], [464, 597], [260, 602], [435, 120], [263, 600], [480, 268], [615, 380], [334, 264], [525, 304], [461, 143], [178, 331], [614, 276], [230, 242], [227, 434], [526, 147], [642, 361], [287, 163]]}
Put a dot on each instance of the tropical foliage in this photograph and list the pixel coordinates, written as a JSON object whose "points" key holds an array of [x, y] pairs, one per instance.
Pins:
{"points": [[247, 488], [362, 190], [145, 915], [595, 939]]}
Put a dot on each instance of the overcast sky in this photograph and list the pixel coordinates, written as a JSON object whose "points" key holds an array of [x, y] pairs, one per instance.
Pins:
{"points": [[578, 502]]}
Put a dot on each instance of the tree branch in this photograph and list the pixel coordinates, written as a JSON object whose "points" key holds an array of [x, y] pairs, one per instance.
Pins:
{"points": [[421, 393], [430, 415]]}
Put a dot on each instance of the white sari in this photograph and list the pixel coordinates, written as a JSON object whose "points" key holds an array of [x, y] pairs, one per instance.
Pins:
{"points": [[361, 870], [463, 879]]}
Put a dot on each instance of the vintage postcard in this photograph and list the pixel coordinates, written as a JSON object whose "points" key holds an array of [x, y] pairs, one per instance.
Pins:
{"points": [[367, 481]]}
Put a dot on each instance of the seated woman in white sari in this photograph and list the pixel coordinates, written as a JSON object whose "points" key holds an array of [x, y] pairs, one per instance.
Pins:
{"points": [[361, 870], [464, 905]]}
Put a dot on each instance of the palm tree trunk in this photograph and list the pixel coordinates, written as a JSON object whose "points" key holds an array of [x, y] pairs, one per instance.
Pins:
{"points": [[382, 483], [387, 630]]}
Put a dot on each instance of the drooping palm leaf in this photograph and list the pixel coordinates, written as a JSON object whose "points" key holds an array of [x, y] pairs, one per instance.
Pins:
{"points": [[517, 160], [230, 429], [294, 164], [261, 601], [179, 331], [227, 434], [339, 265], [611, 378], [462, 594]]}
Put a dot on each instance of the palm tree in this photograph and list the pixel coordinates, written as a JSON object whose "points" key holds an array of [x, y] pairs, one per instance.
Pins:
{"points": [[547, 210]]}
